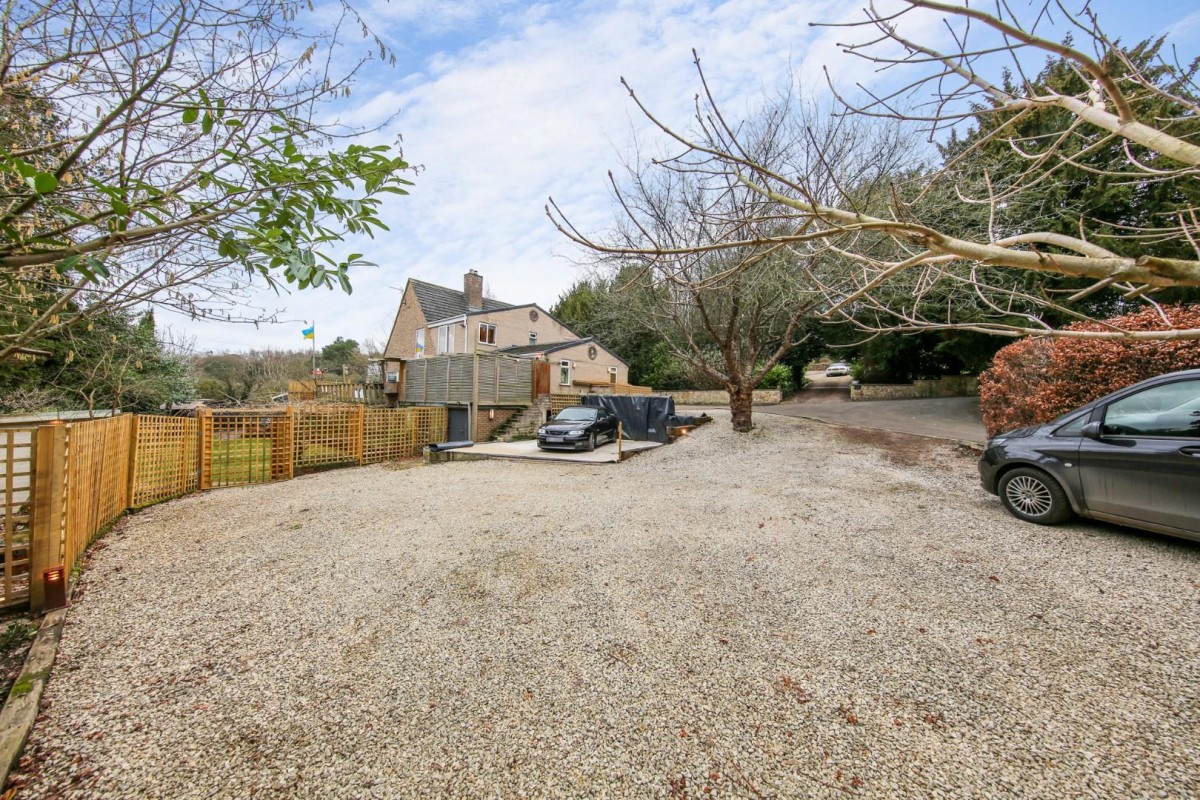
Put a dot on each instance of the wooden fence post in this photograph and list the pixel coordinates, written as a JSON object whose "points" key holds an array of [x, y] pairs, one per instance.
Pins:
{"points": [[49, 497], [185, 464], [290, 429], [204, 420], [360, 428], [133, 449]]}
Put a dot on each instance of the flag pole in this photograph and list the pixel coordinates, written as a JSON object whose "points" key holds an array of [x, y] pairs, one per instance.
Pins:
{"points": [[311, 333]]}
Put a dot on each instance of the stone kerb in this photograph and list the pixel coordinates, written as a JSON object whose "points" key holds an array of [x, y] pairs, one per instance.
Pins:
{"points": [[720, 397]]}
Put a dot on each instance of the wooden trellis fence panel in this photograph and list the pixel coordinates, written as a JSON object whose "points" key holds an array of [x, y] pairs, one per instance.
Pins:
{"points": [[97, 489], [18, 459], [166, 459], [65, 483], [239, 448], [323, 436], [391, 433], [559, 401]]}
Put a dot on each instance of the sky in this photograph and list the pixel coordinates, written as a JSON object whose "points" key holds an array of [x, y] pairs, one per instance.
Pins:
{"points": [[502, 104]]}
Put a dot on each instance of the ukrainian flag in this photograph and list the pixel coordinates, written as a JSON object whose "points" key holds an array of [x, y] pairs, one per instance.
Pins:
{"points": [[310, 333]]}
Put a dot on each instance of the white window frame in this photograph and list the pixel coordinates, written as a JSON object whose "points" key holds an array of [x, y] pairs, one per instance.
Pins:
{"points": [[487, 333], [564, 373], [533, 337], [445, 339], [420, 343]]}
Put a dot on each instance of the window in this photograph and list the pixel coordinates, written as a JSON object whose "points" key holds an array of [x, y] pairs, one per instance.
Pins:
{"points": [[1074, 427], [445, 339], [577, 414], [1171, 409], [420, 343], [487, 333], [612, 375], [533, 337], [564, 373]]}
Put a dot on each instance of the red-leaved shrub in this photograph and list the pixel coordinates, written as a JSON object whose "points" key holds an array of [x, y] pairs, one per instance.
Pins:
{"points": [[1034, 380]]}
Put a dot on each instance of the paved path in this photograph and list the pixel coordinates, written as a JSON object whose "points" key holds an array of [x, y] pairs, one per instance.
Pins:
{"points": [[828, 400], [942, 417]]}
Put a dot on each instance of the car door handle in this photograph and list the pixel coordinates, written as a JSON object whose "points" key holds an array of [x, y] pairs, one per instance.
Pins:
{"points": [[1190, 451]]}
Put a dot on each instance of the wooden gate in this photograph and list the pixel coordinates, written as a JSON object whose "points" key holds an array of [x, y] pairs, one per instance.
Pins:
{"points": [[240, 447], [541, 378]]}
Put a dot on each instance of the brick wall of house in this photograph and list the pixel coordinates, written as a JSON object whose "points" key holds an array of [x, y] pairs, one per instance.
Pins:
{"points": [[402, 342], [488, 423], [456, 331], [584, 369], [513, 327]]}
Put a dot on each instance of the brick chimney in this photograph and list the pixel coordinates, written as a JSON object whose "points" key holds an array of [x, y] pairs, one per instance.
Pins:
{"points": [[473, 290]]}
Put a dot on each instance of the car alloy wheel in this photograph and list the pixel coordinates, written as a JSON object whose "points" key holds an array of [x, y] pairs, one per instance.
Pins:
{"points": [[1032, 495]]}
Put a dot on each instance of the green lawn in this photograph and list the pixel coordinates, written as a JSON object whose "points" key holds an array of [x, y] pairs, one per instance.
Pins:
{"points": [[241, 461]]}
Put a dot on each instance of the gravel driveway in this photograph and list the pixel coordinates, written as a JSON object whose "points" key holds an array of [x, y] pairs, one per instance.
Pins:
{"points": [[789, 613]]}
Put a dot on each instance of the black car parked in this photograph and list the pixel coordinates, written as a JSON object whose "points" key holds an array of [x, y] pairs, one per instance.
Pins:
{"points": [[578, 428], [1132, 458]]}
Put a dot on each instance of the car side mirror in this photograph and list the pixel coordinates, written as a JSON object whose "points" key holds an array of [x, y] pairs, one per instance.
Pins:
{"points": [[1092, 430]]}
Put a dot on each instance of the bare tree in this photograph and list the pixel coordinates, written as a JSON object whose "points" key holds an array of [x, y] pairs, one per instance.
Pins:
{"points": [[172, 152], [733, 313], [906, 270]]}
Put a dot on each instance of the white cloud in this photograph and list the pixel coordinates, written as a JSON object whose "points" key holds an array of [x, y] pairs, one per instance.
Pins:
{"points": [[1184, 31], [533, 109]]}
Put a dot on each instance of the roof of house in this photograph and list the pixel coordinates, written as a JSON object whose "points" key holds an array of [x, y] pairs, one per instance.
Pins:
{"points": [[438, 302], [550, 347]]}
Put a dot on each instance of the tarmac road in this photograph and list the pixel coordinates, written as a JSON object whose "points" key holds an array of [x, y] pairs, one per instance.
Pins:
{"points": [[828, 400]]}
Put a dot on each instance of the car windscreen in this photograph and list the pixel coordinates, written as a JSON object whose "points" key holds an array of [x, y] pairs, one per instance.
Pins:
{"points": [[576, 415]]}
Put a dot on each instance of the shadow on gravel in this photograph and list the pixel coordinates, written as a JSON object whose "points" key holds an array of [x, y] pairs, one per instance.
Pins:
{"points": [[904, 450]]}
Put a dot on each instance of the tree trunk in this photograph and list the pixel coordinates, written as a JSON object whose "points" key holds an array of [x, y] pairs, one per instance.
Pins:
{"points": [[741, 400]]}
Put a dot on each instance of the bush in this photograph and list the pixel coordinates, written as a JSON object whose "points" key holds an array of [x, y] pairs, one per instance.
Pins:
{"points": [[903, 358], [779, 377], [1034, 380]]}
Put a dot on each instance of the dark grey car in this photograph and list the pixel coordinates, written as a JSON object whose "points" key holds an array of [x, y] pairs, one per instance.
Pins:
{"points": [[578, 428], [1132, 458]]}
